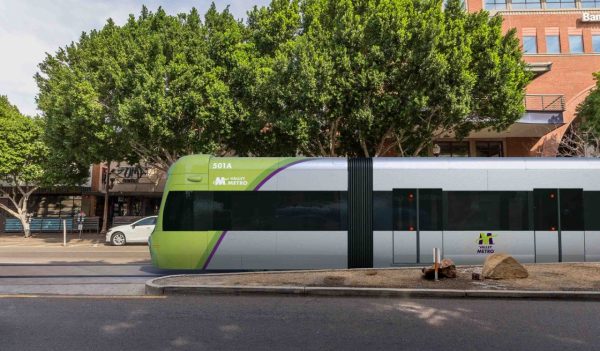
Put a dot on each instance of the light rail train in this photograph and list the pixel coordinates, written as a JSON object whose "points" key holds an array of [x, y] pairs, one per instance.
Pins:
{"points": [[305, 213]]}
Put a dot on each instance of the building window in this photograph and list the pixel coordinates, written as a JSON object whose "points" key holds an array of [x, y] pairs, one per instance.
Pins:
{"points": [[553, 44], [529, 44], [454, 148], [495, 4], [596, 42], [560, 4], [489, 149], [575, 44], [589, 4], [526, 4]]}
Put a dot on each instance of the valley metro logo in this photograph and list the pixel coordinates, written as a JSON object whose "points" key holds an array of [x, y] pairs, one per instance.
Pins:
{"points": [[486, 243], [219, 181], [230, 181]]}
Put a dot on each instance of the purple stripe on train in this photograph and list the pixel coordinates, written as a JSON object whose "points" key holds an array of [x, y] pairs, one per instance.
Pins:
{"points": [[258, 186]]}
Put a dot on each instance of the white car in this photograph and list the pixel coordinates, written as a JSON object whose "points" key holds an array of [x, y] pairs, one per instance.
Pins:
{"points": [[136, 232]]}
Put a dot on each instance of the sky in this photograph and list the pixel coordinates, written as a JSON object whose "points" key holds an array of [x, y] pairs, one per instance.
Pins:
{"points": [[31, 28]]}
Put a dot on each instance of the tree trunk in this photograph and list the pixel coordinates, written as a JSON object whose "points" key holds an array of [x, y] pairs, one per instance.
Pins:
{"points": [[23, 216], [25, 224], [20, 207], [106, 194]]}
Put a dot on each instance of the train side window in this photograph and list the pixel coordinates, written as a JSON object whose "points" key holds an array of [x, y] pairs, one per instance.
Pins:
{"points": [[187, 210], [516, 205], [250, 210], [591, 210], [382, 210], [311, 210], [571, 209], [430, 209], [221, 210], [487, 210]]}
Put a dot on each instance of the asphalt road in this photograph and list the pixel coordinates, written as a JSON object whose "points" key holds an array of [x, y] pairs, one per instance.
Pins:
{"points": [[36, 267], [76, 279], [297, 323]]}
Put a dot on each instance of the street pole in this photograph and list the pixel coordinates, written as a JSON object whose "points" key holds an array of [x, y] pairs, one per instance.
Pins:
{"points": [[64, 232], [436, 262], [106, 193]]}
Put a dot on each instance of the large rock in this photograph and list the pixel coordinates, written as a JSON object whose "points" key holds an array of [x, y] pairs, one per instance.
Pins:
{"points": [[447, 269], [503, 266]]}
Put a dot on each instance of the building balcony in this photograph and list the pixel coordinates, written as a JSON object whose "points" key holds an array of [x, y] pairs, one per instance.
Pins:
{"points": [[544, 102], [544, 110], [543, 114]]}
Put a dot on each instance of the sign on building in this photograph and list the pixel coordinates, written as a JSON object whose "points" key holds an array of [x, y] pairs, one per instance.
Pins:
{"points": [[590, 17]]}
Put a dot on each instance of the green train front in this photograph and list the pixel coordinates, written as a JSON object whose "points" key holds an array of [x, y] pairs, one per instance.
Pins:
{"points": [[252, 213], [309, 213]]}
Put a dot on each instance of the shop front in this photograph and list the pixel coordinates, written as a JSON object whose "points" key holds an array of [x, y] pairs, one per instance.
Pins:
{"points": [[135, 191]]}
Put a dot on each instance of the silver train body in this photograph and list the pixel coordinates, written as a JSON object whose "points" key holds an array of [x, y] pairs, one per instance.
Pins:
{"points": [[393, 246]]}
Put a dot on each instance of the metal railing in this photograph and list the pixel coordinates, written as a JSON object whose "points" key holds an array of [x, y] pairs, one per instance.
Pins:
{"points": [[544, 102]]}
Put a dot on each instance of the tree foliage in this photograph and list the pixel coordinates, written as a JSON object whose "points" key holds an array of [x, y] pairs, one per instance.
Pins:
{"points": [[311, 77], [154, 89], [22, 159], [588, 111], [370, 77], [582, 138]]}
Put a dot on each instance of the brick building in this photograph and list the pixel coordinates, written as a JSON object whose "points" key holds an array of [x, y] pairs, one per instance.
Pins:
{"points": [[561, 43], [135, 191]]}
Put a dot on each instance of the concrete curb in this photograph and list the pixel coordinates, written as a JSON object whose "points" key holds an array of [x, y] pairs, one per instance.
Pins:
{"points": [[156, 289]]}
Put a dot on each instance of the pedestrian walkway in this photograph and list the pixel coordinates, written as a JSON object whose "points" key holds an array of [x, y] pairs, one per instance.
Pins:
{"points": [[51, 239]]}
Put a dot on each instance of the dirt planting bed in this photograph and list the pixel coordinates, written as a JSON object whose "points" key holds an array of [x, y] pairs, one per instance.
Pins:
{"points": [[555, 276]]}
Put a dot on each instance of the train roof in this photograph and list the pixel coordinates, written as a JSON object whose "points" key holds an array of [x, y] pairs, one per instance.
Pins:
{"points": [[195, 163], [486, 163]]}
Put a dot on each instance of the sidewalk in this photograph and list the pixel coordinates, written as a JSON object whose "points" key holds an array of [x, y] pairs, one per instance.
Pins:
{"points": [[561, 280], [48, 249], [50, 239]]}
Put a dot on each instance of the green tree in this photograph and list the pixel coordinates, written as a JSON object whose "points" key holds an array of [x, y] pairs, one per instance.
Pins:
{"points": [[149, 91], [80, 89], [311, 77], [180, 101], [588, 111], [366, 77], [157, 88], [582, 138], [23, 156]]}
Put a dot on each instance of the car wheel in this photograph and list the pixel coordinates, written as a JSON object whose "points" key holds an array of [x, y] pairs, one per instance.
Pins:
{"points": [[117, 239]]}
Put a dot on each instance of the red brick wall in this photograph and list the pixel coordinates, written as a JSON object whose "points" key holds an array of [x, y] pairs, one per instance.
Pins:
{"points": [[571, 74], [474, 6], [520, 147]]}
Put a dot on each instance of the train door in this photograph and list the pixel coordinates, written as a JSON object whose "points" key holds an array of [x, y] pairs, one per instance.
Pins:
{"points": [[558, 224], [417, 224], [545, 219], [405, 217]]}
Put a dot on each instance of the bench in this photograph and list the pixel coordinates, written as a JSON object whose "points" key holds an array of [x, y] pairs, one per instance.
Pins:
{"points": [[38, 225], [91, 224]]}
